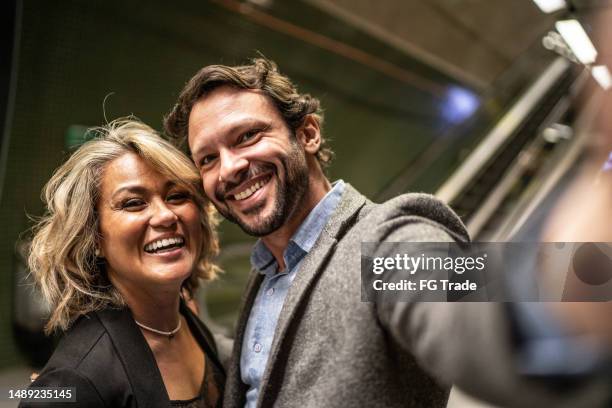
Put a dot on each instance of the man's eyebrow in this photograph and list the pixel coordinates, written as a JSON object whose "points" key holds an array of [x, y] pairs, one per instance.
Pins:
{"points": [[250, 123], [237, 127], [198, 151]]}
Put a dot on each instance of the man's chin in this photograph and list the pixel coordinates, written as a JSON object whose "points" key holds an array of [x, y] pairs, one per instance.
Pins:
{"points": [[258, 227], [256, 211], [257, 222]]}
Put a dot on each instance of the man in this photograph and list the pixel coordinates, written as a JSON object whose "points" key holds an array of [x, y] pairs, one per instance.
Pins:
{"points": [[304, 337]]}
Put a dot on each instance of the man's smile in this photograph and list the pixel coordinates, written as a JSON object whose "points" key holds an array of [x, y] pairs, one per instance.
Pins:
{"points": [[250, 196], [248, 188]]}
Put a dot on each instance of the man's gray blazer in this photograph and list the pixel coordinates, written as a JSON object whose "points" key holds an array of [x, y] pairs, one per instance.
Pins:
{"points": [[330, 349]]}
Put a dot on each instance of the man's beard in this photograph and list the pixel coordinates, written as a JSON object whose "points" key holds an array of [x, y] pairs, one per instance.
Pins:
{"points": [[288, 194]]}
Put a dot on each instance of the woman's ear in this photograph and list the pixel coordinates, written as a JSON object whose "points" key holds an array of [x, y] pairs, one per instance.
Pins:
{"points": [[309, 135]]}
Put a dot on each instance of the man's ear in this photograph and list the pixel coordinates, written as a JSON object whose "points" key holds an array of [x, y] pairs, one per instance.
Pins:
{"points": [[309, 135]]}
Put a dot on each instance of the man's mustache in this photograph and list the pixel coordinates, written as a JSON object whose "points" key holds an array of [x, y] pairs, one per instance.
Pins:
{"points": [[254, 170]]}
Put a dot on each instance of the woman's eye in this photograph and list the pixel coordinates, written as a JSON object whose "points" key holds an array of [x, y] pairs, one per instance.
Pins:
{"points": [[178, 197], [133, 204]]}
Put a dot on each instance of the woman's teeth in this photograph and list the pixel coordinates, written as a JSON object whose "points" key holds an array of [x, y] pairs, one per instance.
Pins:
{"points": [[166, 243], [250, 191]]}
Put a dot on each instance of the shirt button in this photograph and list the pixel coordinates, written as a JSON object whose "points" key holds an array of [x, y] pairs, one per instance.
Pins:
{"points": [[270, 291], [257, 347]]}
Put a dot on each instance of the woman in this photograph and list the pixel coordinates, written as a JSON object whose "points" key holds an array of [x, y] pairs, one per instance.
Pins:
{"points": [[127, 232]]}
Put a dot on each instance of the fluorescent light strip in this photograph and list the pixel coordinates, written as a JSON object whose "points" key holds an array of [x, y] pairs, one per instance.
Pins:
{"points": [[550, 6], [578, 40], [602, 76]]}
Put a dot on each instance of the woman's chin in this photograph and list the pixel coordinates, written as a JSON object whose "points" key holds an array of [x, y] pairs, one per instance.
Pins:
{"points": [[173, 275], [153, 275]]}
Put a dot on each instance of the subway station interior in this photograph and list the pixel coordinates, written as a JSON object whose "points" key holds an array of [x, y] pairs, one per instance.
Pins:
{"points": [[488, 105]]}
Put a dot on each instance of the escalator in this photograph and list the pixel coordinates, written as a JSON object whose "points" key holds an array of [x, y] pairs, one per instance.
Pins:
{"points": [[523, 157]]}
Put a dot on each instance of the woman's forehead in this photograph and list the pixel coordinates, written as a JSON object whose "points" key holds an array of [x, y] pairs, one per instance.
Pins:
{"points": [[130, 171]]}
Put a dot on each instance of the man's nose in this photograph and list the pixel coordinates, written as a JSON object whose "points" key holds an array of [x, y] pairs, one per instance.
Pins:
{"points": [[232, 165], [163, 215]]}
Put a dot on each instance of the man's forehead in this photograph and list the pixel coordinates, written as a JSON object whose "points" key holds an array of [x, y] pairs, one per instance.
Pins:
{"points": [[226, 100], [224, 109]]}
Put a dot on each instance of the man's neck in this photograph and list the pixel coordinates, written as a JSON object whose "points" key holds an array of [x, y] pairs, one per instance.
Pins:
{"points": [[277, 241]]}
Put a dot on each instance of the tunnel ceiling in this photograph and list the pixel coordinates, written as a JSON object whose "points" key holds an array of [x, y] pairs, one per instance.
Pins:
{"points": [[471, 40]]}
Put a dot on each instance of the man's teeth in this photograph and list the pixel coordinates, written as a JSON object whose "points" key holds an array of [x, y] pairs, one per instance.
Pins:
{"points": [[164, 243], [249, 191]]}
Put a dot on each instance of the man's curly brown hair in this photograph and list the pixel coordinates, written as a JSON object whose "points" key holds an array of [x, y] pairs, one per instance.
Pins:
{"points": [[263, 75]]}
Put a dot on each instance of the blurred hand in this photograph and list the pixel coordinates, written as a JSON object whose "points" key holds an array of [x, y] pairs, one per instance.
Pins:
{"points": [[584, 214]]}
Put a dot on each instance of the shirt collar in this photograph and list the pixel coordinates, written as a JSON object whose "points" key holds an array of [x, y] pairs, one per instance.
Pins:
{"points": [[304, 238]]}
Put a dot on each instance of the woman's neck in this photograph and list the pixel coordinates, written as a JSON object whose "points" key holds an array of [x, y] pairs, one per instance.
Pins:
{"points": [[157, 309]]}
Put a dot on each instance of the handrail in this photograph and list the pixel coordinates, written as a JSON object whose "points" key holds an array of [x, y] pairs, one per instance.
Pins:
{"points": [[504, 129], [551, 177]]}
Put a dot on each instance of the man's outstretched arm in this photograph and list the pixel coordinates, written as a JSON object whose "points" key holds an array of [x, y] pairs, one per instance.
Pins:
{"points": [[467, 344]]}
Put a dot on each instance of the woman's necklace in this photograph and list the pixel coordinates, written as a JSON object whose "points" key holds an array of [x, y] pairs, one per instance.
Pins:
{"points": [[169, 334]]}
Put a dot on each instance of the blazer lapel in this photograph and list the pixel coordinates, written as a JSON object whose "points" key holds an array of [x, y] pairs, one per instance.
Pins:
{"points": [[202, 335], [312, 266], [235, 390], [137, 357]]}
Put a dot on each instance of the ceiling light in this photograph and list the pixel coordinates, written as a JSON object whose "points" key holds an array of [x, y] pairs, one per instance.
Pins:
{"points": [[459, 104], [602, 76], [578, 40], [550, 6]]}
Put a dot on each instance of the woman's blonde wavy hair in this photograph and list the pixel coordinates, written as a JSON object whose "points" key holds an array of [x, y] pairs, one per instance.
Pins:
{"points": [[62, 252]]}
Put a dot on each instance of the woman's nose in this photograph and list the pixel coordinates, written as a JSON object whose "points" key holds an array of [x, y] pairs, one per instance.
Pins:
{"points": [[163, 216]]}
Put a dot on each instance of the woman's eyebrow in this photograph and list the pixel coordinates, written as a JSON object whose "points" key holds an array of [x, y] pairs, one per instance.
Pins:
{"points": [[170, 184], [138, 189]]}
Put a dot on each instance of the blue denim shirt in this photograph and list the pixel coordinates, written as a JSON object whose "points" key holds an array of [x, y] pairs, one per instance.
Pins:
{"points": [[266, 309]]}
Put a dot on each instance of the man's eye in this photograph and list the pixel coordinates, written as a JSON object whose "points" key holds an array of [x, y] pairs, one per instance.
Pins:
{"points": [[206, 160], [249, 135]]}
